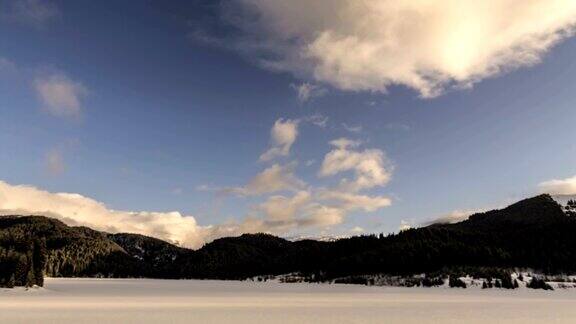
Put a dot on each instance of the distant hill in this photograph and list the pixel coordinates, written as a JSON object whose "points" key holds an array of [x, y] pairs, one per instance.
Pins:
{"points": [[534, 233]]}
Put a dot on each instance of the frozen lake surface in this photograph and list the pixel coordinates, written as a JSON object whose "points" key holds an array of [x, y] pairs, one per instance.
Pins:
{"points": [[191, 301]]}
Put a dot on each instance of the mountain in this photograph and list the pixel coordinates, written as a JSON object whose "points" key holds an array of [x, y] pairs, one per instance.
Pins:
{"points": [[70, 251], [540, 210], [533, 233]]}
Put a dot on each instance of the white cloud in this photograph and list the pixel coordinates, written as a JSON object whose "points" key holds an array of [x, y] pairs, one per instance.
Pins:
{"points": [[300, 210], [75, 209], [309, 206], [559, 186], [370, 166], [280, 215], [344, 143], [307, 91], [273, 179], [352, 129], [30, 12], [60, 95], [404, 225], [206, 188], [321, 215], [281, 208], [357, 230], [316, 207], [321, 206], [283, 135], [351, 202], [454, 216], [54, 161], [318, 120], [370, 45], [398, 127], [329, 206]]}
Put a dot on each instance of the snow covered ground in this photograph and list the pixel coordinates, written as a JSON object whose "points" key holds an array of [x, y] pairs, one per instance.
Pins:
{"points": [[189, 301]]}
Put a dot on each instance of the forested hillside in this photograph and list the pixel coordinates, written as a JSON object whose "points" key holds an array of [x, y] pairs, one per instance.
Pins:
{"points": [[534, 233], [69, 251]]}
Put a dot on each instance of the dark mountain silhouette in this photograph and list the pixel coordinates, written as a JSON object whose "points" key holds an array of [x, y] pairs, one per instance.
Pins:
{"points": [[540, 210], [533, 233]]}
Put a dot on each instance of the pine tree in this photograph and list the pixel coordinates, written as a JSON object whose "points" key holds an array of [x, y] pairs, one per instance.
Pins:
{"points": [[21, 270], [537, 283], [507, 282], [39, 261]]}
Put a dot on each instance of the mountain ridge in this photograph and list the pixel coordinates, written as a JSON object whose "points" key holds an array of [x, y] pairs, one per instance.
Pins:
{"points": [[534, 232]]}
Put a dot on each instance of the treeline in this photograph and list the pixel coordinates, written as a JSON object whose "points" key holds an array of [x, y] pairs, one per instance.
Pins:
{"points": [[535, 233]]}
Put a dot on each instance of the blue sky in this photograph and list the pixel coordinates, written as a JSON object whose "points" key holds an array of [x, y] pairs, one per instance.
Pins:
{"points": [[169, 108]]}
